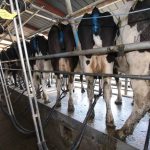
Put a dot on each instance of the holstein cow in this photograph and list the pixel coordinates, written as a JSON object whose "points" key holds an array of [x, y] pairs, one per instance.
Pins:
{"points": [[39, 47], [61, 39], [135, 28], [10, 54], [97, 32]]}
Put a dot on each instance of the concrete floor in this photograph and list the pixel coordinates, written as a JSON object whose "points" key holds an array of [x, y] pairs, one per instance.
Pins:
{"points": [[120, 113]]}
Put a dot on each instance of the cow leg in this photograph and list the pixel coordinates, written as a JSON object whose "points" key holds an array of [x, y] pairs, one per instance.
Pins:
{"points": [[70, 101], [90, 92], [119, 96], [15, 78], [82, 87], [107, 96], [100, 86], [58, 86], [141, 105], [36, 81], [44, 85]]}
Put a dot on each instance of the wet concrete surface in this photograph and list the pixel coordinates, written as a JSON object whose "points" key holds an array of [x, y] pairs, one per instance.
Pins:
{"points": [[11, 139], [120, 114]]}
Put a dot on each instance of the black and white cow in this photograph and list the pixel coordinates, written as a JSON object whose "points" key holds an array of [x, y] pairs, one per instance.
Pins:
{"points": [[61, 39], [135, 28], [10, 54], [97, 32], [39, 47]]}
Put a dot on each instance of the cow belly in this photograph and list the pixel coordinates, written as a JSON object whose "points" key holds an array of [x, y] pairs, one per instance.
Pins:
{"points": [[97, 64], [64, 64]]}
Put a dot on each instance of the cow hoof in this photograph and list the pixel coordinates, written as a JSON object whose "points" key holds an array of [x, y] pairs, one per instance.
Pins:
{"points": [[119, 134], [46, 101], [92, 116], [110, 125], [118, 102], [132, 103], [58, 104], [82, 90], [70, 108], [38, 96], [49, 86]]}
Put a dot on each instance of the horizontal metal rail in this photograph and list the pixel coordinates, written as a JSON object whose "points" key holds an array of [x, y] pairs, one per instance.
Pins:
{"points": [[124, 48], [138, 77]]}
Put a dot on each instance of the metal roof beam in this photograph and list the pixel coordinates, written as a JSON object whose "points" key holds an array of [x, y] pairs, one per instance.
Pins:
{"points": [[99, 4], [50, 8]]}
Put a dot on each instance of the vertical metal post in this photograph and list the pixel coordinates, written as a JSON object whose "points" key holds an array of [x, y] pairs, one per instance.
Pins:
{"points": [[4, 90], [75, 33], [30, 76], [126, 86], [35, 113]]}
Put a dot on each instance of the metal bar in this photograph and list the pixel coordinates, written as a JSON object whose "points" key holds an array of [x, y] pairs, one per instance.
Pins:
{"points": [[126, 87], [25, 75], [147, 137], [31, 80], [4, 90], [40, 31], [103, 50], [75, 33], [10, 35], [88, 8], [33, 88], [41, 16], [34, 14], [46, 11], [140, 77]]}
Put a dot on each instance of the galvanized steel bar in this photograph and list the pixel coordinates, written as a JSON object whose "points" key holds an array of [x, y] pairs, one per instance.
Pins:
{"points": [[39, 15], [138, 77], [97, 51], [75, 33], [31, 80], [126, 87], [46, 11], [25, 76], [4, 90]]}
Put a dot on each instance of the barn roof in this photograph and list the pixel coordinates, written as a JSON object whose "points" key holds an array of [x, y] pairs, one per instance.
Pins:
{"points": [[42, 19]]}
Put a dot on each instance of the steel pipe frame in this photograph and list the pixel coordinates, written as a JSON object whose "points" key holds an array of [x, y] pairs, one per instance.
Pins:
{"points": [[46, 11], [36, 113], [98, 51], [101, 4], [138, 77], [31, 97], [11, 30], [40, 30], [41, 16], [75, 33], [5, 90]]}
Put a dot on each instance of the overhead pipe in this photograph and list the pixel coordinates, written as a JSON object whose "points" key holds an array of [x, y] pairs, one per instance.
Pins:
{"points": [[54, 16]]}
